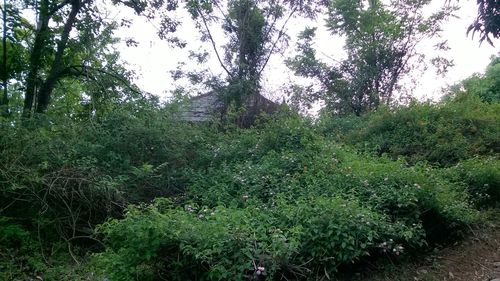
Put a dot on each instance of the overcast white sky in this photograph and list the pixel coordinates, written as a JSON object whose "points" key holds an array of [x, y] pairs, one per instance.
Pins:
{"points": [[153, 59]]}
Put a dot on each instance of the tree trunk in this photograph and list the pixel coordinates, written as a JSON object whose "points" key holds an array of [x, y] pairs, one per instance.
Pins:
{"points": [[46, 89], [35, 58], [5, 98]]}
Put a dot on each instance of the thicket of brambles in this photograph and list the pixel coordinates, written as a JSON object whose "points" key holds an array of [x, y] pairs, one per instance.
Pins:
{"points": [[140, 195]]}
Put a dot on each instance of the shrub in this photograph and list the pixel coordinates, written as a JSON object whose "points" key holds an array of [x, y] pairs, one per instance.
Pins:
{"points": [[481, 177], [194, 243], [59, 177], [277, 200], [441, 134], [298, 210]]}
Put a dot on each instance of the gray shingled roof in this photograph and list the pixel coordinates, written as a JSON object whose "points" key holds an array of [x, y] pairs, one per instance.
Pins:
{"points": [[203, 107]]}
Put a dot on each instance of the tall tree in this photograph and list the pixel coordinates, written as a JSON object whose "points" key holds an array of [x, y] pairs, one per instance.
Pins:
{"points": [[65, 15], [381, 46], [69, 41], [254, 30], [5, 97], [13, 27]]}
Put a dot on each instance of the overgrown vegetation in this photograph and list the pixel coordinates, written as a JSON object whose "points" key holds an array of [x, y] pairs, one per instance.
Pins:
{"points": [[99, 181], [464, 125], [288, 198]]}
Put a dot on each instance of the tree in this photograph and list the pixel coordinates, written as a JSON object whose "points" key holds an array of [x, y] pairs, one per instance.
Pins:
{"points": [[48, 11], [486, 86], [254, 29], [68, 47], [381, 45], [5, 97], [13, 33]]}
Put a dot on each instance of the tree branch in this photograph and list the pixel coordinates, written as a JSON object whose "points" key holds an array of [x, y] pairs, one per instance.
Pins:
{"points": [[58, 7], [226, 17], [81, 70], [280, 34], [213, 41]]}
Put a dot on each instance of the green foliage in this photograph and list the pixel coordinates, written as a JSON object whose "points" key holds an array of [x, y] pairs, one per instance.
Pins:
{"points": [[279, 199], [381, 39], [282, 197], [481, 177], [60, 177], [24, 257], [107, 184], [195, 243], [254, 31], [438, 133], [64, 57], [487, 22], [192, 243], [486, 86], [19, 249]]}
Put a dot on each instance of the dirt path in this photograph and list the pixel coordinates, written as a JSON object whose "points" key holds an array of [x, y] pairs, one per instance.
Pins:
{"points": [[476, 259]]}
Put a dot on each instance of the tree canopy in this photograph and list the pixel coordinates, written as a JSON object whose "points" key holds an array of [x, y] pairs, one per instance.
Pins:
{"points": [[381, 45]]}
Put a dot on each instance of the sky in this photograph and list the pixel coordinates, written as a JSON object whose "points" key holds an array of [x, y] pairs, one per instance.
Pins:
{"points": [[153, 59]]}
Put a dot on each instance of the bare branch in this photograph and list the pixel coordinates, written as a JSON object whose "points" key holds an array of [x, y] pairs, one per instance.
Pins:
{"points": [[226, 17], [213, 42], [80, 70], [280, 34]]}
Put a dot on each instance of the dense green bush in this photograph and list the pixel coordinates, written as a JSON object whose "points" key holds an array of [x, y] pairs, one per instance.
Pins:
{"points": [[481, 178], [487, 85], [307, 238], [19, 251], [59, 176], [193, 243], [465, 124], [280, 200], [299, 207], [441, 134]]}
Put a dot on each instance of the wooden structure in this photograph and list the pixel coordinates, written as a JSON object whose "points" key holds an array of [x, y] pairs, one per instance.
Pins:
{"points": [[209, 106]]}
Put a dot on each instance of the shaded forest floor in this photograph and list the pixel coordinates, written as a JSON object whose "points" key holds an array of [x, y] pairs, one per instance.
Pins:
{"points": [[476, 258]]}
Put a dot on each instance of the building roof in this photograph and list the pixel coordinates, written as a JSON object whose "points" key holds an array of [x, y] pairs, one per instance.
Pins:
{"points": [[207, 106]]}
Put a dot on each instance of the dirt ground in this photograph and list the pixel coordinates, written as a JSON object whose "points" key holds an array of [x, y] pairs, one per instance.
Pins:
{"points": [[476, 259]]}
